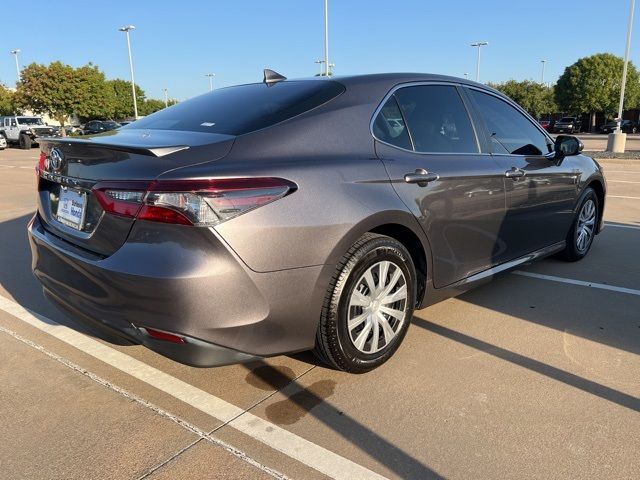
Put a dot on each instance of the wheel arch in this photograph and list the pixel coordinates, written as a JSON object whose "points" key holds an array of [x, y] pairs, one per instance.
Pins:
{"points": [[598, 188]]}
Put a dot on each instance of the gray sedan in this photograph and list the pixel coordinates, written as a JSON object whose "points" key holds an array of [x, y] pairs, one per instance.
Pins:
{"points": [[290, 215]]}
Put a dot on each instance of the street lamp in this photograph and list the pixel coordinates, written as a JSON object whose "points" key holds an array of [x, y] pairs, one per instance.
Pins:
{"points": [[15, 54], [320, 62], [210, 75], [466, 75], [166, 97], [126, 29], [326, 37], [542, 77], [617, 140], [479, 45]]}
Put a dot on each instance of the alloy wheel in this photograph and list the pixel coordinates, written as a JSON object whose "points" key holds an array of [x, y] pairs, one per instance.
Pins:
{"points": [[377, 307], [586, 225]]}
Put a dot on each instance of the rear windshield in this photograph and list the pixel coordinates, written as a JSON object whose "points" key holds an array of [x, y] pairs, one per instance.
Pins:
{"points": [[567, 119], [242, 109]]}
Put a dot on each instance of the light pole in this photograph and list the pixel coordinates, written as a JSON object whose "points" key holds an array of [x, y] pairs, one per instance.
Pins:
{"points": [[166, 97], [126, 29], [544, 62], [15, 54], [617, 140], [478, 45], [210, 75], [466, 75], [331, 65], [326, 37], [320, 62]]}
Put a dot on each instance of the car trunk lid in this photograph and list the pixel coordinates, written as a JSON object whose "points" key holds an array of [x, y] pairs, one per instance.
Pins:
{"points": [[71, 167]]}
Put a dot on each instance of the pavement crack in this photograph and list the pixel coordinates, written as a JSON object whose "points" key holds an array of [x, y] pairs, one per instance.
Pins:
{"points": [[158, 410]]}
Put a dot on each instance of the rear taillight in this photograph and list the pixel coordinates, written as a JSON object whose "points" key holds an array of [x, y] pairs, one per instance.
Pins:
{"points": [[40, 165], [190, 202]]}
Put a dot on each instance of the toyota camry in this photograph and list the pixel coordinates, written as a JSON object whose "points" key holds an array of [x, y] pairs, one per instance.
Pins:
{"points": [[312, 214]]}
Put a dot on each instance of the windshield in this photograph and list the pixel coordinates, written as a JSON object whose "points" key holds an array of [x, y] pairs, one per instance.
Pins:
{"points": [[110, 124], [30, 121], [567, 119], [242, 109]]}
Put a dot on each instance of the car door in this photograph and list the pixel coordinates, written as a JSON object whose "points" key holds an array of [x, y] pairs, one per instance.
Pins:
{"points": [[540, 191], [434, 158], [13, 132]]}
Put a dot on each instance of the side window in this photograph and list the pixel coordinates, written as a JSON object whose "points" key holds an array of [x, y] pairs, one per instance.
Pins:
{"points": [[13, 122], [389, 126], [510, 131], [437, 119]]}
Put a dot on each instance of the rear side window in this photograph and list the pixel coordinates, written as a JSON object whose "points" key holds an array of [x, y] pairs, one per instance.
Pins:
{"points": [[389, 126], [437, 119], [243, 108], [510, 131]]}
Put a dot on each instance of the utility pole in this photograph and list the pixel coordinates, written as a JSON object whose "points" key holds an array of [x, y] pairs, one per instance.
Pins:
{"points": [[126, 29], [326, 37], [15, 54], [478, 45], [542, 77], [166, 97], [210, 75]]}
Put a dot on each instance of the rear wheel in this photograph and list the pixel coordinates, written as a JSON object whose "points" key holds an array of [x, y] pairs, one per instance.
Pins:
{"points": [[583, 229], [24, 141], [368, 305]]}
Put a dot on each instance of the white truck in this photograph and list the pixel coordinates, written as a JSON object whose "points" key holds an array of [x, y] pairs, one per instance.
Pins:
{"points": [[24, 130]]}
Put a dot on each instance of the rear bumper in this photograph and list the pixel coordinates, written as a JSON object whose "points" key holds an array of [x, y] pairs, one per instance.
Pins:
{"points": [[183, 280]]}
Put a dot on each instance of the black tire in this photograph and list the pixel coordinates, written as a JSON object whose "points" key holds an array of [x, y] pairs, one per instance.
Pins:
{"points": [[334, 345], [24, 142], [573, 252]]}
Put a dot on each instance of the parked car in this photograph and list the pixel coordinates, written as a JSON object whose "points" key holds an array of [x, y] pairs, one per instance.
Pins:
{"points": [[25, 130], [568, 125], [546, 124], [290, 215], [627, 126], [99, 126]]}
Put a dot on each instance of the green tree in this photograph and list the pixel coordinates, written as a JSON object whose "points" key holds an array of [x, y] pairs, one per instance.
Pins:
{"points": [[6, 101], [123, 98], [149, 106], [534, 97], [60, 91], [592, 85]]}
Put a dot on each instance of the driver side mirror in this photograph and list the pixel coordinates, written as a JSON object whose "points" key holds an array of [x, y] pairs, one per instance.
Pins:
{"points": [[567, 145]]}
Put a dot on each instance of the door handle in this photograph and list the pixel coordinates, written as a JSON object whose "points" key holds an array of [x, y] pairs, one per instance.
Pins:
{"points": [[421, 177], [514, 173]]}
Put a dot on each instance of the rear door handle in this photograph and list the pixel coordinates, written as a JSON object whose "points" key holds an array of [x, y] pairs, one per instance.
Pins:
{"points": [[421, 177], [514, 173]]}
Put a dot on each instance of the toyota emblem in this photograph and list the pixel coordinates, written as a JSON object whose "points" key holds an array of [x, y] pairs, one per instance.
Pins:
{"points": [[56, 157]]}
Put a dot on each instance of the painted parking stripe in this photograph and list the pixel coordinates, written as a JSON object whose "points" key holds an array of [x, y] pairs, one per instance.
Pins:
{"points": [[622, 196], [620, 171], [306, 452], [617, 225], [601, 286], [620, 181]]}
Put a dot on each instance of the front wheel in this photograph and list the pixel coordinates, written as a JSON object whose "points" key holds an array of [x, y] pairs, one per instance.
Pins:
{"points": [[583, 228], [368, 305], [24, 142]]}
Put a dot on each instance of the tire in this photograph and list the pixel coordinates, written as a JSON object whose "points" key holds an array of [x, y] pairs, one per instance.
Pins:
{"points": [[24, 142], [587, 215], [354, 350]]}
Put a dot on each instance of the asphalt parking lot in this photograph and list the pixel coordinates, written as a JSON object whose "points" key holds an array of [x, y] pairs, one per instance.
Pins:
{"points": [[535, 375]]}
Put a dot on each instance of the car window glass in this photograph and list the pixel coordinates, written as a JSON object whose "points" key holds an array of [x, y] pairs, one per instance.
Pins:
{"points": [[511, 132], [13, 122], [389, 126], [437, 119]]}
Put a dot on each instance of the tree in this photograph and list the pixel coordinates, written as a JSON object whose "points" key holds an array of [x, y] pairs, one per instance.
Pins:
{"points": [[60, 91], [123, 98], [534, 97], [6, 101], [151, 105], [592, 85]]}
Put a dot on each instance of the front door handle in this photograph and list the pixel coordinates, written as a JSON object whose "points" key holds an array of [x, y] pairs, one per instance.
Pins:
{"points": [[514, 173], [421, 177]]}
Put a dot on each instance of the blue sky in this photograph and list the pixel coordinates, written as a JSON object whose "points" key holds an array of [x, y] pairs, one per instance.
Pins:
{"points": [[176, 42]]}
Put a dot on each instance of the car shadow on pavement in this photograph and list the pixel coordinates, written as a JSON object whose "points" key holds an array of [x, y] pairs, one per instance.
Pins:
{"points": [[18, 281], [568, 378], [301, 400]]}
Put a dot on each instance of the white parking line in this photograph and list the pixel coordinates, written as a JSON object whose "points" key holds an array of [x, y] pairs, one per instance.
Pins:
{"points": [[617, 225], [621, 171], [601, 286], [622, 196], [620, 181], [306, 452]]}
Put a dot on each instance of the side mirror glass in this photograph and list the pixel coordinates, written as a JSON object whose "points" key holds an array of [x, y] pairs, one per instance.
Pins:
{"points": [[567, 145]]}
